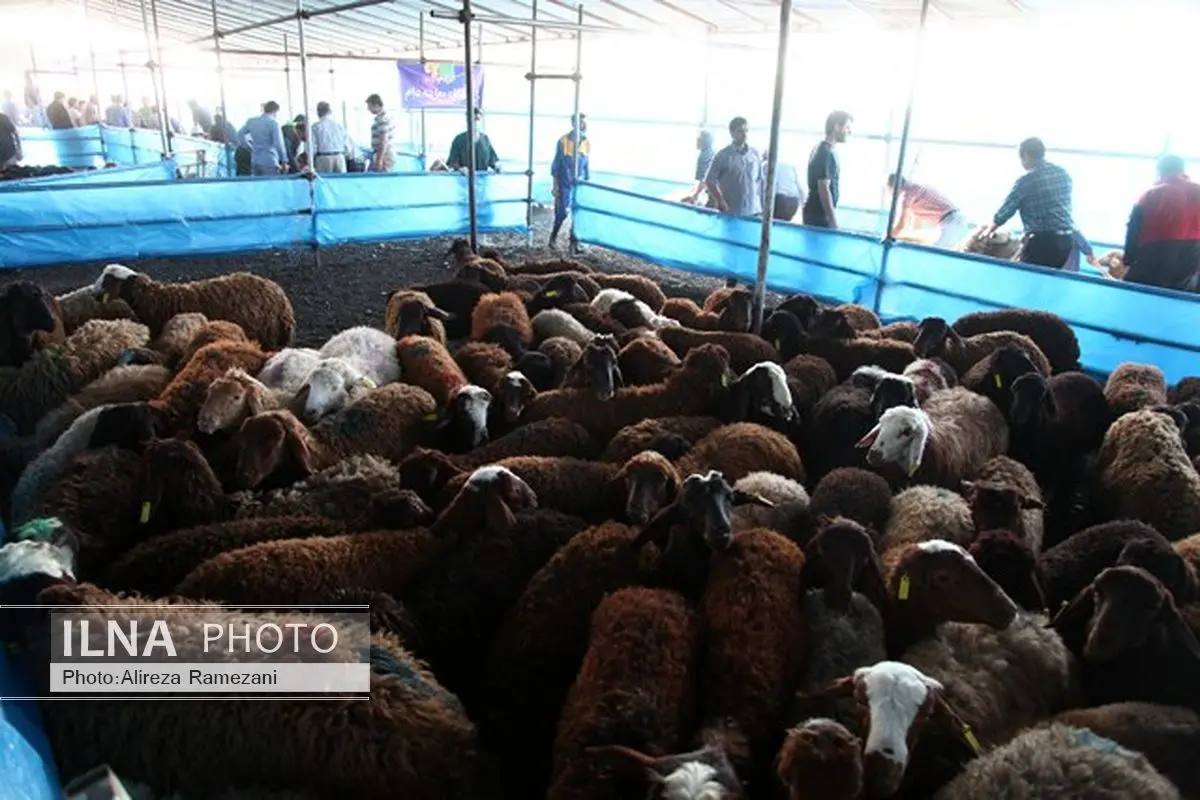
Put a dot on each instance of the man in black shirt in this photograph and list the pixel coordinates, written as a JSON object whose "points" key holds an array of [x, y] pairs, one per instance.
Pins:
{"points": [[57, 114], [820, 209]]}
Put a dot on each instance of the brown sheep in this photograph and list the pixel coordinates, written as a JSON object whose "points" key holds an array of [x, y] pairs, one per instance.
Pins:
{"points": [[258, 305], [745, 349], [177, 335], [809, 378], [596, 369], [900, 331], [484, 364], [739, 449], [82, 305], [1132, 387], [212, 332], [733, 313], [938, 339], [861, 318], [414, 313], [855, 494], [833, 339], [635, 688], [32, 321], [504, 310], [184, 396], [425, 362], [1006, 496], [595, 319], [132, 384], [821, 760], [563, 354], [473, 267], [1048, 331], [232, 399], [650, 432], [647, 360]]}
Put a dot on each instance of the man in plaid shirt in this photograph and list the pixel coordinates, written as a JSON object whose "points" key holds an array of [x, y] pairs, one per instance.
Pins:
{"points": [[1043, 198]]}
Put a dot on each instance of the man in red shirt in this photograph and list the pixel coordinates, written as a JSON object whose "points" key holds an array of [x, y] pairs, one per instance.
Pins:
{"points": [[1162, 242], [931, 207]]}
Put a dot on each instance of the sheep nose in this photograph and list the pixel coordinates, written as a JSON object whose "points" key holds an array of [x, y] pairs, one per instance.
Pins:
{"points": [[890, 752]]}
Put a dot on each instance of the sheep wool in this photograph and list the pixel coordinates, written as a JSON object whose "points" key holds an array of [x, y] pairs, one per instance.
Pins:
{"points": [[1131, 387], [926, 513], [426, 362]]}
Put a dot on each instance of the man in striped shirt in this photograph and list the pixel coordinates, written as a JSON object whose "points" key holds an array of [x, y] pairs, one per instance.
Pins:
{"points": [[1043, 197], [383, 159], [930, 206]]}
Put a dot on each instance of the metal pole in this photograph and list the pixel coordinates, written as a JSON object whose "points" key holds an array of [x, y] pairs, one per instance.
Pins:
{"points": [[468, 70], [912, 94], [532, 99], [574, 243], [764, 246], [92, 56], [421, 52], [154, 78], [124, 79], [287, 74], [229, 166], [162, 77], [308, 116]]}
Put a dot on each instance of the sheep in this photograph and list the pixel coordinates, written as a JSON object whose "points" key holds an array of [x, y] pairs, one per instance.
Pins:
{"points": [[177, 335], [595, 319], [821, 760], [409, 312], [1165, 735], [856, 494], [474, 267], [703, 773], [369, 350], [636, 315], [556, 322], [637, 286], [211, 333], [32, 320], [645, 435], [232, 399], [924, 513], [1005, 495], [551, 266], [298, 570], [52, 375], [1146, 474], [1069, 566], [130, 384], [427, 363], [287, 370], [80, 305], [1049, 332], [1009, 561], [258, 305], [939, 339], [541, 644], [744, 349], [739, 449], [809, 378], [761, 395], [930, 375], [1187, 390], [484, 364], [788, 513], [693, 390], [944, 443], [1060, 761], [993, 376], [1054, 422], [458, 298], [861, 318], [838, 420], [901, 331], [833, 339], [734, 312], [332, 385], [560, 290], [385, 423], [505, 311], [1132, 387], [635, 688], [547, 367], [185, 395], [596, 369], [647, 360]]}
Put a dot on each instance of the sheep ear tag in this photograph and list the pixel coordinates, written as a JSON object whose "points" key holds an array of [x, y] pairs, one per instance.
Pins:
{"points": [[367, 382], [913, 469], [551, 294], [104, 297], [432, 416], [903, 589], [778, 344], [145, 515], [999, 381], [972, 742], [724, 380]]}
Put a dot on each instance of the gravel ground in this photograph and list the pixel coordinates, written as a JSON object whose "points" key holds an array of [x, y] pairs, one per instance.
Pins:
{"points": [[349, 287]]}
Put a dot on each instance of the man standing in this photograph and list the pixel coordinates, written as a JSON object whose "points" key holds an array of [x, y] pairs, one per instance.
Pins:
{"points": [[57, 114], [201, 116], [329, 143], [824, 173], [735, 177], [927, 204], [91, 111], [294, 134], [10, 110], [383, 130], [1162, 242], [564, 169], [1043, 197], [268, 153], [117, 115], [147, 115], [485, 155], [223, 130], [788, 195], [76, 112]]}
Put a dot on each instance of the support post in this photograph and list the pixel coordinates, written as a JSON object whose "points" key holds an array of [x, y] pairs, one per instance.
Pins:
{"points": [[533, 31], [308, 115], [162, 78], [468, 68], [124, 79], [287, 74], [153, 66], [92, 57], [577, 133], [912, 94], [421, 53], [764, 245], [230, 170]]}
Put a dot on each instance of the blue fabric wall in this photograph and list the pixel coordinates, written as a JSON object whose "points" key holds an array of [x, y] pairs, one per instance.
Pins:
{"points": [[77, 147], [162, 170]]}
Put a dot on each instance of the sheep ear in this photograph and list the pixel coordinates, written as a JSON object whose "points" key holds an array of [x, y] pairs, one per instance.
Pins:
{"points": [[618, 378], [966, 488], [871, 582], [869, 439], [625, 758], [658, 528], [300, 451], [743, 498], [300, 400], [1031, 503], [1176, 624], [498, 516]]}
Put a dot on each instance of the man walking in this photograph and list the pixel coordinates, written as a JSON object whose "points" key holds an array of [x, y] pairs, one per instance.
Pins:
{"points": [[564, 169], [824, 173], [1162, 242], [1043, 197], [268, 153], [735, 177], [383, 159], [329, 143], [927, 204], [485, 155]]}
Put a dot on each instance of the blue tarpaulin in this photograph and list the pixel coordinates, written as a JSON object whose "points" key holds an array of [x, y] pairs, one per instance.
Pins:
{"points": [[158, 171]]}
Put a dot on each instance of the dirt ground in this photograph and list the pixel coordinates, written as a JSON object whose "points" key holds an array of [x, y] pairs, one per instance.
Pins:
{"points": [[349, 287]]}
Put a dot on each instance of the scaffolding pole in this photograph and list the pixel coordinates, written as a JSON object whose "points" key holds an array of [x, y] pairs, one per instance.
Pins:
{"points": [[532, 99], [577, 133], [124, 79], [421, 53], [229, 166], [764, 245], [908, 110], [155, 80], [162, 78], [92, 57], [468, 72], [287, 74], [308, 115]]}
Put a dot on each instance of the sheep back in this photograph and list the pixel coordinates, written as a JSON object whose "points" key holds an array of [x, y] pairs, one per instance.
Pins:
{"points": [[505, 309], [741, 448], [425, 362], [641, 287], [258, 305], [966, 429], [1049, 332], [921, 513], [745, 349], [633, 439], [856, 494], [1132, 387], [484, 364], [647, 360]]}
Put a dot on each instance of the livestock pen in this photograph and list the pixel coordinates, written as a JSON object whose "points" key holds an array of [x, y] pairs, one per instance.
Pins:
{"points": [[337, 243]]}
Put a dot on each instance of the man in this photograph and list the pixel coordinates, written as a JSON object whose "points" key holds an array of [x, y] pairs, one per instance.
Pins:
{"points": [[223, 130], [1043, 197], [824, 173], [117, 115], [705, 153], [202, 117], [9, 109], [76, 112], [91, 111], [383, 131], [268, 153], [147, 116], [485, 155], [57, 114], [788, 195], [930, 206], [329, 143], [10, 142], [567, 164], [1162, 242], [735, 177], [294, 134]]}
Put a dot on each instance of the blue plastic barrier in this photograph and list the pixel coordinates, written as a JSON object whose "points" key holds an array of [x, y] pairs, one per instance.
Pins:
{"points": [[1115, 322], [76, 147], [161, 171]]}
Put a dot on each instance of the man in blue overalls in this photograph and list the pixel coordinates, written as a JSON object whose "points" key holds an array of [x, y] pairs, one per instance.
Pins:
{"points": [[562, 169]]}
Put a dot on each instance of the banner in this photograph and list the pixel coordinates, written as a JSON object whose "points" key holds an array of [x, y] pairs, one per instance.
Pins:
{"points": [[437, 84]]}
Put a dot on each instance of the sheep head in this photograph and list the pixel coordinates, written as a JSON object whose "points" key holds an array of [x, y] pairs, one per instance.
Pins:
{"points": [[893, 391], [266, 444], [42, 555], [598, 363], [516, 392], [803, 307], [464, 423], [193, 483], [25, 308], [896, 700], [461, 250], [1160, 559], [559, 291], [330, 387], [413, 315], [763, 388], [129, 425], [839, 557], [427, 472], [737, 313], [114, 283], [706, 773], [704, 508], [649, 483], [1005, 366], [941, 581], [933, 334], [1009, 561], [997, 505], [231, 399], [495, 491], [786, 332], [1031, 399], [821, 760], [830, 323], [1131, 605], [709, 360], [898, 438]]}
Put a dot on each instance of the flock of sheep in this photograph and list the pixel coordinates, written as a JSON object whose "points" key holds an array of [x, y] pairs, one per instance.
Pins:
{"points": [[614, 544]]}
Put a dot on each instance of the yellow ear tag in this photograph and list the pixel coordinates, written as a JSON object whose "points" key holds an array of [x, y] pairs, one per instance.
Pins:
{"points": [[778, 345], [902, 591], [104, 297], [430, 417], [724, 381], [913, 469], [999, 383], [367, 382], [552, 293], [972, 742], [145, 517]]}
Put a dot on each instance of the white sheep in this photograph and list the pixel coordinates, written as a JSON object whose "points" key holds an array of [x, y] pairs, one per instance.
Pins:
{"points": [[555, 322], [642, 315], [287, 370], [369, 350], [332, 386]]}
